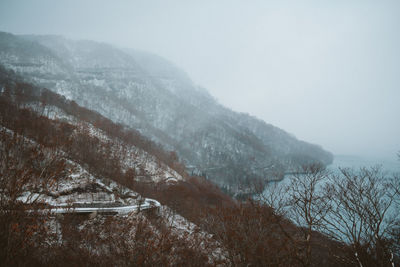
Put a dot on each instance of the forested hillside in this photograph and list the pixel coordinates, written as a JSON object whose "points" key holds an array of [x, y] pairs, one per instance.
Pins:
{"points": [[149, 94], [58, 158]]}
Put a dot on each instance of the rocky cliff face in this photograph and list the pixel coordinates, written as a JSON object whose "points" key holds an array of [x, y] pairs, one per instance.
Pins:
{"points": [[151, 95]]}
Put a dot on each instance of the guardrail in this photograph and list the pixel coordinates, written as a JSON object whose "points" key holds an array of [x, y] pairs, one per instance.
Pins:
{"points": [[65, 208]]}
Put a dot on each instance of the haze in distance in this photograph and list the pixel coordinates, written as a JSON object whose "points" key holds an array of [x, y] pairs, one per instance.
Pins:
{"points": [[328, 72]]}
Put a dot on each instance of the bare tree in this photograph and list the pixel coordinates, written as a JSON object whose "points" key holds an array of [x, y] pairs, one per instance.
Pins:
{"points": [[360, 214], [301, 201], [25, 169], [306, 206], [275, 196]]}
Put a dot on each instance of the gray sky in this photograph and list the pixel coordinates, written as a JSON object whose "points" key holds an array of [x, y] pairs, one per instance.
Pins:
{"points": [[326, 71]]}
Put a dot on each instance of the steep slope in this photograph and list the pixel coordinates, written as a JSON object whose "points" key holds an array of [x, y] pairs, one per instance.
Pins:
{"points": [[60, 161], [55, 152], [149, 94]]}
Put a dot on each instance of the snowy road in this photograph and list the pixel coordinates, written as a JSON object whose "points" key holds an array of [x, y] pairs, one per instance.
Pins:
{"points": [[66, 208]]}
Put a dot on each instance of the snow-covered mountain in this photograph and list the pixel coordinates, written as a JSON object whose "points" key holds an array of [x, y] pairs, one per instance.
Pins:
{"points": [[89, 174], [60, 161], [150, 94]]}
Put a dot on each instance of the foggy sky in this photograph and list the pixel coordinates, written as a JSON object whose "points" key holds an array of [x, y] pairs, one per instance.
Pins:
{"points": [[326, 71]]}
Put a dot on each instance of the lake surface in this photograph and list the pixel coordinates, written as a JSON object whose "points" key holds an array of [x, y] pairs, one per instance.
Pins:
{"points": [[348, 161], [389, 166]]}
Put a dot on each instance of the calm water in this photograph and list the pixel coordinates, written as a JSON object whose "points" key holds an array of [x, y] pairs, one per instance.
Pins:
{"points": [[388, 164]]}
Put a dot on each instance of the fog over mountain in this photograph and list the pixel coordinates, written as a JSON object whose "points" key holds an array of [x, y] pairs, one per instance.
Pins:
{"points": [[148, 94], [328, 72], [199, 133]]}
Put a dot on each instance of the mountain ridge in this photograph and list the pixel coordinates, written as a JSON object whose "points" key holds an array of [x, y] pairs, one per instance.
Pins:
{"points": [[151, 95]]}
